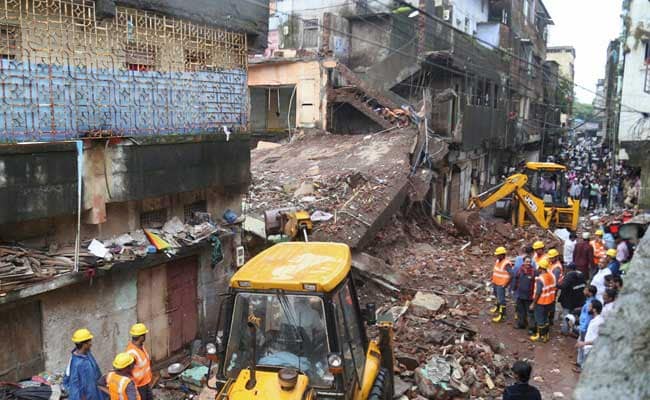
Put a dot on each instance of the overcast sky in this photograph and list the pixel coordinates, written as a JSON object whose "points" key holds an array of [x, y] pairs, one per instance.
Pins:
{"points": [[589, 26]]}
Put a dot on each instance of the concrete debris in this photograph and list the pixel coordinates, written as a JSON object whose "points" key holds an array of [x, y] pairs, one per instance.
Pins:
{"points": [[376, 269], [426, 304], [400, 387], [305, 189]]}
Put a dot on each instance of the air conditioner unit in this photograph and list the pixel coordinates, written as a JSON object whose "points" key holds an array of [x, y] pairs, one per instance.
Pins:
{"points": [[446, 14]]}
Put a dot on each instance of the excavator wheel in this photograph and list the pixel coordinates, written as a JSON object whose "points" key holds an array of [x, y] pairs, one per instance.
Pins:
{"points": [[378, 391], [467, 222]]}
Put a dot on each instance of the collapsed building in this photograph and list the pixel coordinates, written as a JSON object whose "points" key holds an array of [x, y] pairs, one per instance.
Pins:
{"points": [[472, 71]]}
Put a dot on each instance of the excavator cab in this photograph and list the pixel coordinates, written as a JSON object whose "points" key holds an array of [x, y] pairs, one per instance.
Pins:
{"points": [[548, 182], [292, 328]]}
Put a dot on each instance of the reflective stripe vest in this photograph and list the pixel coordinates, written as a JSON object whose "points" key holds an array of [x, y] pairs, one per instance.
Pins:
{"points": [[537, 259], [117, 384], [500, 275], [599, 250], [557, 265], [142, 367], [548, 289]]}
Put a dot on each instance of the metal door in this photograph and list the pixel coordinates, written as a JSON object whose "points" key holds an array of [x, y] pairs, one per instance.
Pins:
{"points": [[21, 345], [152, 292], [182, 306]]}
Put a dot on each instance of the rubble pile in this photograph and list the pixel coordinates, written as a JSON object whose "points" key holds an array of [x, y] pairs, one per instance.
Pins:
{"points": [[439, 351], [352, 182]]}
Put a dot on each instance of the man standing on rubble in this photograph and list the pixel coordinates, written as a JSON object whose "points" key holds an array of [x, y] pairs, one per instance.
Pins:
{"points": [[556, 269], [543, 300], [572, 297], [539, 255], [142, 365], [80, 379], [583, 255], [524, 282], [501, 275]]}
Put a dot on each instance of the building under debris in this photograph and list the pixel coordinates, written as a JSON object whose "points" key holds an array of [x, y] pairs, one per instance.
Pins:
{"points": [[122, 128], [473, 70]]}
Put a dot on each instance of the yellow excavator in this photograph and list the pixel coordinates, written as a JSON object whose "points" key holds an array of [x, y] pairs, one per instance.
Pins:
{"points": [[292, 328], [538, 195]]}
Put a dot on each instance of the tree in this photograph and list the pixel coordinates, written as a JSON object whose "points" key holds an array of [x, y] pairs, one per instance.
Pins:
{"points": [[583, 111]]}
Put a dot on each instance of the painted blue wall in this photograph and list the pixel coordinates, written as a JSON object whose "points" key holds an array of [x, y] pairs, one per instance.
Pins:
{"points": [[40, 102]]}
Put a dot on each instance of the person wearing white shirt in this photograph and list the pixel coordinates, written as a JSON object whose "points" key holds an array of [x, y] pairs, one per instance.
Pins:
{"points": [[569, 246], [584, 347], [609, 299], [599, 280]]}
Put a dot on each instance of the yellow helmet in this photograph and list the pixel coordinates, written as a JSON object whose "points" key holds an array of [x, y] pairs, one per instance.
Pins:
{"points": [[553, 253], [599, 232], [81, 335], [543, 264], [538, 245], [500, 251], [611, 252], [123, 360], [138, 329]]}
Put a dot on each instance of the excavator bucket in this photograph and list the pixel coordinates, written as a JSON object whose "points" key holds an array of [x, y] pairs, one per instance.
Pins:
{"points": [[467, 222]]}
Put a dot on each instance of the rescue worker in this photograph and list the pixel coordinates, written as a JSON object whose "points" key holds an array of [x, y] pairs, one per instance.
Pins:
{"points": [[612, 263], [543, 300], [82, 372], [524, 280], [539, 255], [119, 383], [501, 275], [142, 367], [555, 266], [599, 247]]}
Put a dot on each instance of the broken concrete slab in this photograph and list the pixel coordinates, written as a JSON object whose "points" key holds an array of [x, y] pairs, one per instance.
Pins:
{"points": [[400, 387], [376, 268], [362, 182], [426, 304]]}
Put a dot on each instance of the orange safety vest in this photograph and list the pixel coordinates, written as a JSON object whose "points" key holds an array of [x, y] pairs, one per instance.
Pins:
{"points": [[599, 250], [548, 289], [500, 275], [142, 367], [537, 259], [117, 384], [557, 265]]}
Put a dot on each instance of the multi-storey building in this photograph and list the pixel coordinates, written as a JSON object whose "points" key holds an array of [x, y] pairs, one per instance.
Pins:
{"points": [[116, 118]]}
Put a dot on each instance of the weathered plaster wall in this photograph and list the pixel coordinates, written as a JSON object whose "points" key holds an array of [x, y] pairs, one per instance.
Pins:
{"points": [[310, 81], [107, 308], [622, 345]]}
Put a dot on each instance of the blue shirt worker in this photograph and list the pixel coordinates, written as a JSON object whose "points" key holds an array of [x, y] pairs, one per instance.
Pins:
{"points": [[612, 263], [82, 373], [585, 318]]}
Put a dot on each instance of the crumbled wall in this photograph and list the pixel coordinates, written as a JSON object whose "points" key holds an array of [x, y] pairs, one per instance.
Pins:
{"points": [[617, 367]]}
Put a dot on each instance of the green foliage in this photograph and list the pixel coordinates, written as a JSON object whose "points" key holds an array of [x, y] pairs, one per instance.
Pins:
{"points": [[583, 111], [564, 95]]}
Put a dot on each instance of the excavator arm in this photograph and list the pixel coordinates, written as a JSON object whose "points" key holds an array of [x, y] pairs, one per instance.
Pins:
{"points": [[514, 185], [511, 185]]}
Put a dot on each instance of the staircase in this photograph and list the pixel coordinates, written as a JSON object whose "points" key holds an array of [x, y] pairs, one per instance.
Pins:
{"points": [[382, 107]]}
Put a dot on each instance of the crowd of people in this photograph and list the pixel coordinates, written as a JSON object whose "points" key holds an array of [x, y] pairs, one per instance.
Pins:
{"points": [[594, 179], [131, 378], [584, 280]]}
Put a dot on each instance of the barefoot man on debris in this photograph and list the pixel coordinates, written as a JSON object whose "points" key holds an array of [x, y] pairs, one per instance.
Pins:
{"points": [[501, 275]]}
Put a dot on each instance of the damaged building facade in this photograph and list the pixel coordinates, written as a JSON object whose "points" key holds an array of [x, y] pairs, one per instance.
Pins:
{"points": [[472, 71], [118, 117]]}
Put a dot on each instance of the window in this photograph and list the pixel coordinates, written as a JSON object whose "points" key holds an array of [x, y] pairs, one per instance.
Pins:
{"points": [[140, 57], [153, 219], [647, 52], [351, 337], [196, 60], [531, 14], [467, 25], [9, 42], [310, 33], [189, 211]]}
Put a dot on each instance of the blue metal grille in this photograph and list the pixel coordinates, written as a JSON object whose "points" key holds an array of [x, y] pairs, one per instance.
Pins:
{"points": [[64, 75]]}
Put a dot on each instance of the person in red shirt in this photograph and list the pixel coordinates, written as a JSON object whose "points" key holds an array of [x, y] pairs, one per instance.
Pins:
{"points": [[583, 255]]}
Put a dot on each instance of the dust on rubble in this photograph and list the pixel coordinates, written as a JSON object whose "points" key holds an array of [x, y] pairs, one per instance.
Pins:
{"points": [[440, 348]]}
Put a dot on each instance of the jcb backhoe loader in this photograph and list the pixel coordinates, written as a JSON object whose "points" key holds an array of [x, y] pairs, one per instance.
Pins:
{"points": [[539, 195], [293, 329]]}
